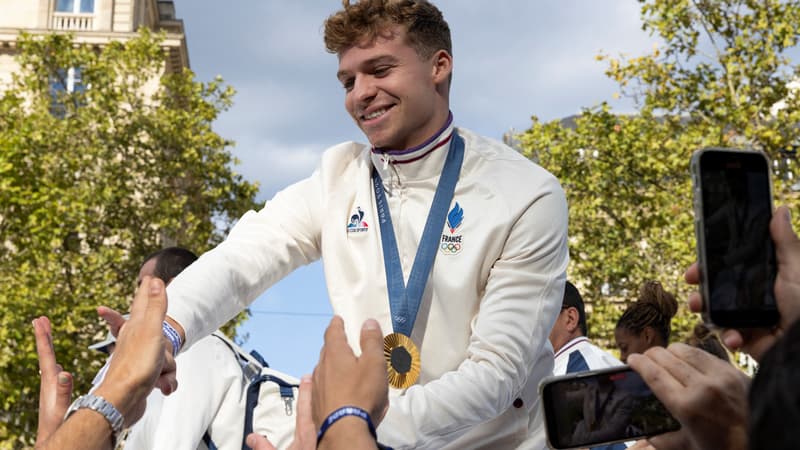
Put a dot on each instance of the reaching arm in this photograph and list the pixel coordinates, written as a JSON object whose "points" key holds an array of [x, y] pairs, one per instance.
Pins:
{"points": [[261, 249]]}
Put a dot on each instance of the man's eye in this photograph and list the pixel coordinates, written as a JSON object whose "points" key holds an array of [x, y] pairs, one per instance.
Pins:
{"points": [[381, 71], [348, 85]]}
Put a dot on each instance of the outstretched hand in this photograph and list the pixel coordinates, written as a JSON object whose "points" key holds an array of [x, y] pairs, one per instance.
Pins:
{"points": [[139, 357], [55, 386], [342, 379]]}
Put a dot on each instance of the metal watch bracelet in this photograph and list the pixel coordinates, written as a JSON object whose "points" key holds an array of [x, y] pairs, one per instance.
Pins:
{"points": [[102, 406]]}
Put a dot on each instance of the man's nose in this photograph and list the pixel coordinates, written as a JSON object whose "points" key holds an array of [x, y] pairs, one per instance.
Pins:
{"points": [[364, 89]]}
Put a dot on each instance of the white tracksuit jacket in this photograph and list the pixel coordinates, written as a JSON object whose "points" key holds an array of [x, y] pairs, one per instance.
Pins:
{"points": [[488, 307]]}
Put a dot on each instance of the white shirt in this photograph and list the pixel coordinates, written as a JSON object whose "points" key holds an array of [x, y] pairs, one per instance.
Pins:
{"points": [[488, 307], [210, 397], [579, 355]]}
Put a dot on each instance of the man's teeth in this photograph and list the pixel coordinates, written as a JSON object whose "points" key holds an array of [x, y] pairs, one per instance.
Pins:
{"points": [[375, 114]]}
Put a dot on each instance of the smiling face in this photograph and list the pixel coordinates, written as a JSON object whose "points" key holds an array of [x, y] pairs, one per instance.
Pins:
{"points": [[398, 99]]}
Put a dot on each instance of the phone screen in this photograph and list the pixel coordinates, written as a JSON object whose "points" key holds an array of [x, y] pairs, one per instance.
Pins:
{"points": [[740, 268], [598, 407]]}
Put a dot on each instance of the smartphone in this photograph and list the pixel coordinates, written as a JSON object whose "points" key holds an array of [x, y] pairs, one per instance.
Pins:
{"points": [[735, 253], [599, 407]]}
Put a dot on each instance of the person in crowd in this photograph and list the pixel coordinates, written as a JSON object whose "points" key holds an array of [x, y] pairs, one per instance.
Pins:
{"points": [[460, 254], [703, 338], [646, 322], [574, 352]]}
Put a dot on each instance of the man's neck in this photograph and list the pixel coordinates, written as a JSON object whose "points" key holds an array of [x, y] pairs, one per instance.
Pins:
{"points": [[447, 123]]}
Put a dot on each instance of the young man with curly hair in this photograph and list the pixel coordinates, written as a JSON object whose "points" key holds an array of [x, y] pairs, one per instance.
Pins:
{"points": [[455, 243]]}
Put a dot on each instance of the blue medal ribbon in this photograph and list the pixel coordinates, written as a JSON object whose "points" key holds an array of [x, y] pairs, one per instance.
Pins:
{"points": [[404, 300]]}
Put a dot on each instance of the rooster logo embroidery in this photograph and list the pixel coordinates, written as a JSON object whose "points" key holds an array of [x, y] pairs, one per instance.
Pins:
{"points": [[357, 223]]}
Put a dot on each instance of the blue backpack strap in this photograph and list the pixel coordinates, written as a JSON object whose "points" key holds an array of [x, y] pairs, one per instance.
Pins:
{"points": [[209, 442], [253, 391]]}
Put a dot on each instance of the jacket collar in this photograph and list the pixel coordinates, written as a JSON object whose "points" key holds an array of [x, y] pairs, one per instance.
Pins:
{"points": [[417, 163]]}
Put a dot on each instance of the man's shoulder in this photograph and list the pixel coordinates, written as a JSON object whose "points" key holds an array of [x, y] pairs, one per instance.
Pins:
{"points": [[345, 151], [487, 154], [597, 357]]}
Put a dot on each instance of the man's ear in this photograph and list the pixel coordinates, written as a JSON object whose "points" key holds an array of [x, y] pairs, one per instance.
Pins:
{"points": [[573, 318], [442, 66]]}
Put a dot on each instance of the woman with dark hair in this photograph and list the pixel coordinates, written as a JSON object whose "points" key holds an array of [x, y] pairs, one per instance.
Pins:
{"points": [[646, 322]]}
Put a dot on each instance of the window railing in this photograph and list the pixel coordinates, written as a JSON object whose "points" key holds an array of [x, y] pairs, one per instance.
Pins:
{"points": [[72, 21]]}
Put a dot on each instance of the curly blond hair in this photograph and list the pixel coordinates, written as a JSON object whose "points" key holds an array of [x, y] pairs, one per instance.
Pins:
{"points": [[426, 30]]}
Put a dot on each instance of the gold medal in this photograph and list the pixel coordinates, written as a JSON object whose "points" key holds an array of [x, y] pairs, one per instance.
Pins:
{"points": [[402, 360]]}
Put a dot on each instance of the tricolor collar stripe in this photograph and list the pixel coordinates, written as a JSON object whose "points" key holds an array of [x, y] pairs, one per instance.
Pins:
{"points": [[407, 151], [417, 158], [573, 344]]}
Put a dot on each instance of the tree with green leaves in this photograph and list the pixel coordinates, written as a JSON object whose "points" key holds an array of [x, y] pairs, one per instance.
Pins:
{"points": [[720, 76], [96, 172]]}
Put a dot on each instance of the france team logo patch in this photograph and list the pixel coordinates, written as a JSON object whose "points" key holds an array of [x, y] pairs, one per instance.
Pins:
{"points": [[451, 242]]}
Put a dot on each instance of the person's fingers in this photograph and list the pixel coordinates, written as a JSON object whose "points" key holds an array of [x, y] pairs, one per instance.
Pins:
{"points": [[257, 442], [113, 319], [371, 340], [692, 274], [305, 433], [787, 248], [782, 232], [660, 381], [695, 302], [44, 347], [682, 371], [156, 306], [674, 440], [334, 334], [753, 341], [732, 339], [63, 390], [698, 360], [167, 381]]}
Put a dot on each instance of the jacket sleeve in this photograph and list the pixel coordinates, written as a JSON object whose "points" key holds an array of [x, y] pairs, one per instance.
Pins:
{"points": [[509, 335], [260, 250]]}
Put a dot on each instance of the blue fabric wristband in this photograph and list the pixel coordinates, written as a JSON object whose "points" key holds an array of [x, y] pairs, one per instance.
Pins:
{"points": [[173, 336], [345, 411]]}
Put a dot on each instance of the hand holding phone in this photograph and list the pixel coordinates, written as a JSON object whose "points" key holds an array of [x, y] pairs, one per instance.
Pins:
{"points": [[707, 395], [597, 407], [736, 256]]}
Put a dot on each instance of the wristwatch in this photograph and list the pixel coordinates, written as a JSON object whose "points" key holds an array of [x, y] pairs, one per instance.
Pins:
{"points": [[101, 405]]}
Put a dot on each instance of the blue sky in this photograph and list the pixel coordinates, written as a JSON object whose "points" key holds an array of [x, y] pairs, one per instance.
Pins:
{"points": [[512, 59]]}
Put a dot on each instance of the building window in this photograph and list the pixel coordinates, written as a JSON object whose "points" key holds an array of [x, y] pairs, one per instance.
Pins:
{"points": [[64, 82], [75, 6]]}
